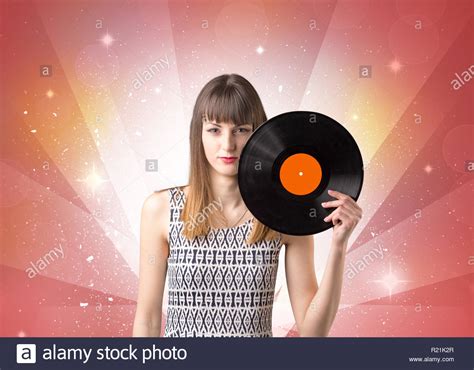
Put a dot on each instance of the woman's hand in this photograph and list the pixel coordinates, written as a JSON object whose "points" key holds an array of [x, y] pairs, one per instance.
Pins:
{"points": [[344, 218]]}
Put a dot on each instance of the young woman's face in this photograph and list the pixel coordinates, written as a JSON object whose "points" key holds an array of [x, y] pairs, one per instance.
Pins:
{"points": [[223, 142]]}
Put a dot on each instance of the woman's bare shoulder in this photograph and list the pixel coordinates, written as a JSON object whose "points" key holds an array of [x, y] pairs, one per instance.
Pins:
{"points": [[155, 215], [156, 202], [295, 239]]}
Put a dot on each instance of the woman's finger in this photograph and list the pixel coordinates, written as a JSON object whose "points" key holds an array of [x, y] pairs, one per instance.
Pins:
{"points": [[357, 211], [332, 203], [338, 194], [340, 202], [329, 217], [342, 197], [340, 217], [343, 202], [333, 214], [345, 214]]}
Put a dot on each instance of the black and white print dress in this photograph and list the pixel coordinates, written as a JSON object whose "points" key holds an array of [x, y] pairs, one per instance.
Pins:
{"points": [[217, 285]]}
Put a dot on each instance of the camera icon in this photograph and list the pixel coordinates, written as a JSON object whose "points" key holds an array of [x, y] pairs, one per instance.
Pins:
{"points": [[26, 353]]}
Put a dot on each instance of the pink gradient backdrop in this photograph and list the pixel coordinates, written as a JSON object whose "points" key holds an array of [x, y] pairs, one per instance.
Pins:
{"points": [[74, 145]]}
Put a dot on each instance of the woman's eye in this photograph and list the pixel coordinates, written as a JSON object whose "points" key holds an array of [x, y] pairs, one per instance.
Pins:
{"points": [[213, 130], [243, 130]]}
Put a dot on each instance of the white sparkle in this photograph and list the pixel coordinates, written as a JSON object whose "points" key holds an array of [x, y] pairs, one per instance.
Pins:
{"points": [[107, 39], [390, 281], [395, 66], [260, 50], [93, 180]]}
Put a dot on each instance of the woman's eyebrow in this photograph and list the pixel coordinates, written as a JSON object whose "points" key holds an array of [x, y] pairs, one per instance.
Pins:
{"points": [[218, 124]]}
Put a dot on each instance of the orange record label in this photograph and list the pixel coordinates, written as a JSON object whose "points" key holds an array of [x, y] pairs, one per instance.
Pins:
{"points": [[300, 174]]}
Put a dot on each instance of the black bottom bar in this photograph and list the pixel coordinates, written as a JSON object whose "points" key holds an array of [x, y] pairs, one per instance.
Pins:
{"points": [[236, 353]]}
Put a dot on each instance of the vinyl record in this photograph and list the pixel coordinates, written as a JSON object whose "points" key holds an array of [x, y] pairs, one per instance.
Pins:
{"points": [[288, 165]]}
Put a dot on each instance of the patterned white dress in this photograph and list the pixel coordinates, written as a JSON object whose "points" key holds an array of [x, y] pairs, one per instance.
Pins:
{"points": [[217, 285]]}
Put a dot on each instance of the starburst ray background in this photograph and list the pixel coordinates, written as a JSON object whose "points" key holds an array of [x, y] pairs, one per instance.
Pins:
{"points": [[96, 104]]}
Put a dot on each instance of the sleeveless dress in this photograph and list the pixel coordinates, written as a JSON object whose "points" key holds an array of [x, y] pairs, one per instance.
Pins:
{"points": [[217, 285]]}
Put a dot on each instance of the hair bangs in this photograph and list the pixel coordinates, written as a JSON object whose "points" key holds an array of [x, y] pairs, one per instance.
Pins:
{"points": [[228, 106]]}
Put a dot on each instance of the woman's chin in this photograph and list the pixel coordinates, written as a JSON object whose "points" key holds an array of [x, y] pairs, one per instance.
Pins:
{"points": [[227, 170], [224, 169]]}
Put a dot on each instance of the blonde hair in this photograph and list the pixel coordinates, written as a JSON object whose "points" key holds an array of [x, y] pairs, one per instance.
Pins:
{"points": [[226, 98]]}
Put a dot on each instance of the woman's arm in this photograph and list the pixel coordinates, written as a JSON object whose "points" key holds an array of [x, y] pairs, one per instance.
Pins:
{"points": [[315, 308], [300, 275], [153, 265]]}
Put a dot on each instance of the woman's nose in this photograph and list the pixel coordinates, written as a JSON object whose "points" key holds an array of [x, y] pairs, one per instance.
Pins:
{"points": [[228, 141]]}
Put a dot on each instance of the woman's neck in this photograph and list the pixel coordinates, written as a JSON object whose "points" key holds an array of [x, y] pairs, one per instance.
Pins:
{"points": [[226, 190]]}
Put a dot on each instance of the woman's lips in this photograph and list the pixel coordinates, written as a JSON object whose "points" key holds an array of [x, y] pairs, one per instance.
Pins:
{"points": [[228, 160]]}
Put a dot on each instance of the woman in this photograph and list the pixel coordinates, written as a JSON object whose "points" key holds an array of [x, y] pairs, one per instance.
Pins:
{"points": [[221, 262]]}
